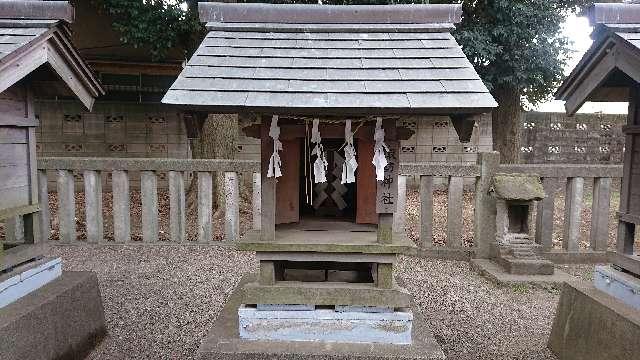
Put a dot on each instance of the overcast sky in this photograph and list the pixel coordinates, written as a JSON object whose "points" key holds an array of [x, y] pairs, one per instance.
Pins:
{"points": [[578, 30]]}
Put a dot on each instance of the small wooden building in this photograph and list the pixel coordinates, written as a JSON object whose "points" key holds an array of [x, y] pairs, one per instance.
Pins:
{"points": [[610, 71], [306, 72], [36, 59]]}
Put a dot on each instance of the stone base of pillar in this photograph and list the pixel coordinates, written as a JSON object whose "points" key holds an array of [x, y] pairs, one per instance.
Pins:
{"points": [[591, 324]]}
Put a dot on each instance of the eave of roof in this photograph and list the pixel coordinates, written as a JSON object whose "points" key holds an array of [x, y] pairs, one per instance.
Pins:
{"points": [[330, 60], [31, 41]]}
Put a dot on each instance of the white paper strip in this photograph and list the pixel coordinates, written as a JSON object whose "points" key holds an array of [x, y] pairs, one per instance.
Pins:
{"points": [[274, 162], [379, 160], [350, 164], [320, 165]]}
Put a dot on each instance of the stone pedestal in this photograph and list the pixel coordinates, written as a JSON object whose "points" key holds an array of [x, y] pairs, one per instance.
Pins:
{"points": [[224, 343], [591, 324], [62, 320], [618, 284]]}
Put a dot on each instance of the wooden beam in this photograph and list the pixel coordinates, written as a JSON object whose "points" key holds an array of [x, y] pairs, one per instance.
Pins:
{"points": [[53, 10], [595, 77]]}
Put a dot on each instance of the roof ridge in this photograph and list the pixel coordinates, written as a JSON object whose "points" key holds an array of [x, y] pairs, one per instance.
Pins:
{"points": [[329, 14], [36, 10]]}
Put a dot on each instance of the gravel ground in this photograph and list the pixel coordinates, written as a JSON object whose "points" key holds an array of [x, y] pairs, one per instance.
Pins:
{"points": [[161, 300]]}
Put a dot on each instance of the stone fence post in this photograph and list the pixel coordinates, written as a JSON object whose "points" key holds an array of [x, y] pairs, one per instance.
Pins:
{"points": [[485, 205]]}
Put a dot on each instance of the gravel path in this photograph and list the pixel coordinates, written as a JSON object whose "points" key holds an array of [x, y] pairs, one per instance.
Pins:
{"points": [[160, 301]]}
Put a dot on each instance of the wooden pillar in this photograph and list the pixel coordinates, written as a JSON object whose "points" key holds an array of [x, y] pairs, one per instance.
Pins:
{"points": [[387, 190], [268, 205]]}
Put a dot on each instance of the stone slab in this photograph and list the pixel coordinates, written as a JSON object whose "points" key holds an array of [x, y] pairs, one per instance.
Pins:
{"points": [[62, 320], [622, 286], [223, 342], [590, 324], [326, 325], [325, 293], [27, 278], [497, 274], [527, 266], [285, 307]]}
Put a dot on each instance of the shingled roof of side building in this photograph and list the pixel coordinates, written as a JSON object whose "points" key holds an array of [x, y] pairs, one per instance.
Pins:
{"points": [[612, 63], [322, 59], [35, 35]]}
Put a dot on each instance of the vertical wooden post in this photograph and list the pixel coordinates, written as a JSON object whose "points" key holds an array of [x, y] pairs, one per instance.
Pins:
{"points": [[485, 205], [31, 228], [454, 212], [93, 206], [232, 209], [572, 214], [205, 205], [387, 190], [43, 199], [426, 211], [268, 192], [599, 236], [545, 213], [66, 206], [400, 216], [256, 202], [177, 216], [149, 189], [121, 206]]}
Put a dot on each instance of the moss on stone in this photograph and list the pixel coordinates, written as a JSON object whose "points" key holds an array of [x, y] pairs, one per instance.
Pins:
{"points": [[518, 187]]}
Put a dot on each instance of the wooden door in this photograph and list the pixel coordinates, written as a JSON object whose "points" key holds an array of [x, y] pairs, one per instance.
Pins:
{"points": [[366, 183], [288, 185]]}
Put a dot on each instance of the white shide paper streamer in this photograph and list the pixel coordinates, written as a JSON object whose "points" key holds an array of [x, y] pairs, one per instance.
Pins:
{"points": [[350, 163], [379, 160], [275, 162], [320, 165]]}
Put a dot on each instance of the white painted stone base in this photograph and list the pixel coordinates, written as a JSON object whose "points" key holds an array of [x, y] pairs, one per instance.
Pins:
{"points": [[623, 287], [28, 280], [326, 325]]}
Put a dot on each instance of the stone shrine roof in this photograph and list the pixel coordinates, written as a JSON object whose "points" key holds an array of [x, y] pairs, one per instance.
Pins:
{"points": [[517, 187], [339, 60], [35, 33]]}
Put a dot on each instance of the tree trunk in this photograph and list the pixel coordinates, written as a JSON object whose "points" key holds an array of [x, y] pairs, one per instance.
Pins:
{"points": [[218, 140], [506, 124]]}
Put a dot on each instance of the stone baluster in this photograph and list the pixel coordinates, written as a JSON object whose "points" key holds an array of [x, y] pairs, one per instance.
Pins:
{"points": [[426, 211], [149, 190], [599, 235], [121, 206], [93, 206], [545, 213], [205, 206], [43, 199], [177, 214], [232, 207], [256, 202], [572, 213], [454, 212], [66, 206], [400, 216]]}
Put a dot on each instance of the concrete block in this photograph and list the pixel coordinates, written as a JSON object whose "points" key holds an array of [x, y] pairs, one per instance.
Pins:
{"points": [[282, 307], [25, 279], [497, 274], [62, 320], [620, 285], [364, 309], [326, 325], [591, 324]]}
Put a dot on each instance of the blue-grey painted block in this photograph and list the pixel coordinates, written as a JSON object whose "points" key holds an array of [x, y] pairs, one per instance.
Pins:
{"points": [[28, 281], [283, 307], [623, 287], [326, 325]]}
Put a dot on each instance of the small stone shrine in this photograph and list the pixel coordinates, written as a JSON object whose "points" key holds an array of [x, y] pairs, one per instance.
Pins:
{"points": [[38, 313], [516, 251], [602, 321], [326, 86]]}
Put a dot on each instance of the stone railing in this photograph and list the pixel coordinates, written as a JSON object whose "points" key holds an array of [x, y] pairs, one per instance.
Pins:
{"points": [[92, 171], [177, 171], [553, 177]]}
